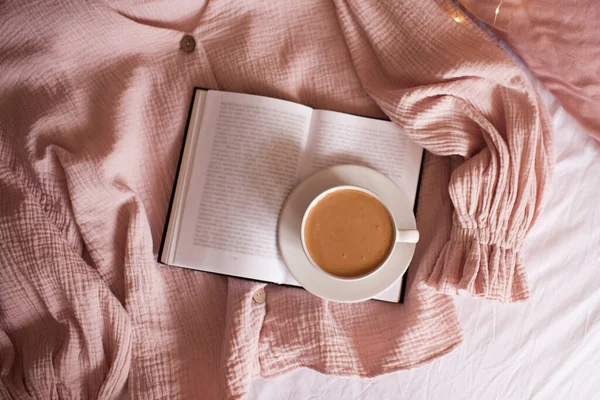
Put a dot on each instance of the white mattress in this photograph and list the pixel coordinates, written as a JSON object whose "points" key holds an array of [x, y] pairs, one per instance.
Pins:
{"points": [[545, 348]]}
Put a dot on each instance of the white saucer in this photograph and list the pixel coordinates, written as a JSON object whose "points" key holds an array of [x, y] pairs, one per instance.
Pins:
{"points": [[318, 282]]}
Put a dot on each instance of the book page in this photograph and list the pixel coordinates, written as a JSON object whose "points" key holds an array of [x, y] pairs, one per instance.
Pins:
{"points": [[245, 165], [167, 252], [337, 138]]}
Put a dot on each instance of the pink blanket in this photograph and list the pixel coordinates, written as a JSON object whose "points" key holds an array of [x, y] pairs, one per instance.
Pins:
{"points": [[93, 98]]}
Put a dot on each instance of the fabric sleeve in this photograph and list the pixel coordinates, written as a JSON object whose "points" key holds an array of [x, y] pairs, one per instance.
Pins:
{"points": [[455, 94]]}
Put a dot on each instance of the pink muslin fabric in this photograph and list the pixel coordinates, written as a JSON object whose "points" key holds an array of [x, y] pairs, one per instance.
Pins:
{"points": [[93, 103], [558, 40]]}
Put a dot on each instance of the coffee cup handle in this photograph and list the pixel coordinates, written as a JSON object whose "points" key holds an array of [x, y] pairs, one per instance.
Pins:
{"points": [[407, 236]]}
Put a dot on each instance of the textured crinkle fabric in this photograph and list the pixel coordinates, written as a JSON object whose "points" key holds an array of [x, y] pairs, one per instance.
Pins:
{"points": [[93, 99]]}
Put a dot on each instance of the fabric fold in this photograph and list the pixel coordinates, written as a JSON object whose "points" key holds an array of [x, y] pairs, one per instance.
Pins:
{"points": [[470, 262]]}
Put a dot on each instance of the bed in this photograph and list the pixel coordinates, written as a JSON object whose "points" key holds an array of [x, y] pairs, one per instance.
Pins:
{"points": [[85, 310], [545, 348]]}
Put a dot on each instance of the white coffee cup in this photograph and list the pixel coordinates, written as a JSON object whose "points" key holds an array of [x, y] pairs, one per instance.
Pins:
{"points": [[400, 235]]}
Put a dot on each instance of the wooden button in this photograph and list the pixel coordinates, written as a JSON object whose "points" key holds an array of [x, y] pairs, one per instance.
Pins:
{"points": [[260, 296], [187, 44]]}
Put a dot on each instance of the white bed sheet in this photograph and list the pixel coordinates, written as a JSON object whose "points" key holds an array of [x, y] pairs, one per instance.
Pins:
{"points": [[545, 348]]}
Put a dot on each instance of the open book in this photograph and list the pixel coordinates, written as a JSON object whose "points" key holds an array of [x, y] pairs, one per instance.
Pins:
{"points": [[242, 156]]}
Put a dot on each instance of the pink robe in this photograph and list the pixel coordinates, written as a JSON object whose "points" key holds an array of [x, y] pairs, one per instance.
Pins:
{"points": [[93, 100]]}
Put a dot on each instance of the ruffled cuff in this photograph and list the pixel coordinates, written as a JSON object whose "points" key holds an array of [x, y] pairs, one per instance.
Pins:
{"points": [[481, 263]]}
